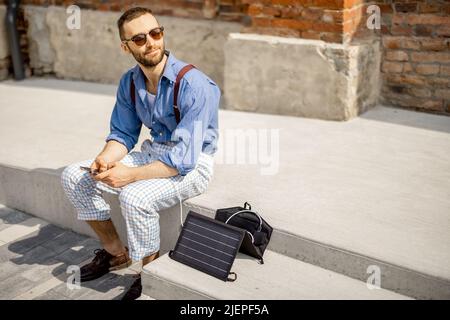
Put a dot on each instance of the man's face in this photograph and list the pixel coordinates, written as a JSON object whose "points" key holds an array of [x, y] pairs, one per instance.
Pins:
{"points": [[151, 53]]}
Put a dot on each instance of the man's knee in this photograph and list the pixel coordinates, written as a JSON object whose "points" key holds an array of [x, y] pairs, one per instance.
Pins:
{"points": [[71, 176], [132, 198]]}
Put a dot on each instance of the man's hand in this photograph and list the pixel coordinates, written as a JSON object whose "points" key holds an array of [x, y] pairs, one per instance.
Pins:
{"points": [[99, 165], [117, 175]]}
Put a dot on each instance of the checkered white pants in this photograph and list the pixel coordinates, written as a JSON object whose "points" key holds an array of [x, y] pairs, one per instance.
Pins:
{"points": [[140, 201]]}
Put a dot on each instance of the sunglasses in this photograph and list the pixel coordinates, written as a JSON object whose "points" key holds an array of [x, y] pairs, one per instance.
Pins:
{"points": [[141, 38]]}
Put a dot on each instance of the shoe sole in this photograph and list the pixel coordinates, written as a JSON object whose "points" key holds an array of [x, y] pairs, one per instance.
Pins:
{"points": [[121, 266], [115, 268]]}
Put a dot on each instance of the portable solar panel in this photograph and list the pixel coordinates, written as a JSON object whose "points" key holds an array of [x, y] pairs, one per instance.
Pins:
{"points": [[208, 245]]}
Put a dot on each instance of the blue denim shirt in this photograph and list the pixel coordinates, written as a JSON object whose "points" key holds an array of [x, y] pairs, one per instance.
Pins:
{"points": [[198, 102]]}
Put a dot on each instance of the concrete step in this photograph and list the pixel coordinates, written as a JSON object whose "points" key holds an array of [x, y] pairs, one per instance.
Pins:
{"points": [[346, 196], [280, 277]]}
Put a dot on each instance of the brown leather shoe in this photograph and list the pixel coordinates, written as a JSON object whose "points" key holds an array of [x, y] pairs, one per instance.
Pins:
{"points": [[103, 263]]}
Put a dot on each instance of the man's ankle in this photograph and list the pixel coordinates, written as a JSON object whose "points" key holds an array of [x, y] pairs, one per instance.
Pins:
{"points": [[116, 251], [150, 258]]}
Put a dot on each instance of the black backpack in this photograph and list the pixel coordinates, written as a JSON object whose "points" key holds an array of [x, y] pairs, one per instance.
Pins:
{"points": [[258, 231]]}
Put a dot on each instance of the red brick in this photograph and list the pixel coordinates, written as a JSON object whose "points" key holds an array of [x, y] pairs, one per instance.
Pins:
{"points": [[291, 23], [398, 30], [443, 31], [329, 4], [333, 16], [419, 92], [312, 14], [396, 42], [332, 37], [406, 79], [399, 18], [438, 82], [327, 27], [254, 10], [442, 93], [432, 105], [406, 100], [443, 57], [392, 67], [283, 2], [392, 42], [269, 11], [445, 71], [311, 35], [284, 32], [427, 69], [405, 7], [423, 30], [385, 8], [434, 44], [431, 19], [291, 12], [262, 22], [446, 9], [407, 67], [396, 55], [428, 8], [410, 43]]}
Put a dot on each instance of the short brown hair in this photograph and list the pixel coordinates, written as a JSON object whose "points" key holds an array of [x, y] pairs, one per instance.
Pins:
{"points": [[129, 15]]}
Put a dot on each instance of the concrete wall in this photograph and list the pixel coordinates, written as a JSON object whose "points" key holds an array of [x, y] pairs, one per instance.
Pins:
{"points": [[93, 52], [300, 77], [39, 192], [4, 47], [258, 73]]}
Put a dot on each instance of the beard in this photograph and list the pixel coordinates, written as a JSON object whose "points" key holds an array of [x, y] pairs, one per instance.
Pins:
{"points": [[148, 61]]}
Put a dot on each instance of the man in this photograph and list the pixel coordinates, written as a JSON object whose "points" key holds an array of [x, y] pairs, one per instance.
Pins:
{"points": [[176, 163]]}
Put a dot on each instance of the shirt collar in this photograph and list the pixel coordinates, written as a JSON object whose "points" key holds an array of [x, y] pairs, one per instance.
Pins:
{"points": [[168, 72]]}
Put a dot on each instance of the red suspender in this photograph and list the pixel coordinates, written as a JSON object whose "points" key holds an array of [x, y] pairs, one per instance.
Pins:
{"points": [[175, 92]]}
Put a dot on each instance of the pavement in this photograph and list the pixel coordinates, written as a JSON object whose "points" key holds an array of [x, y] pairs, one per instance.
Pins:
{"points": [[37, 259]]}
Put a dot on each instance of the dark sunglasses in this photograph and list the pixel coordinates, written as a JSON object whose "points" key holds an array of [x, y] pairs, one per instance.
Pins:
{"points": [[141, 38]]}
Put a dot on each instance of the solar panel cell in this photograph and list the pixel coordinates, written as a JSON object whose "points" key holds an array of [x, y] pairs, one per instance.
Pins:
{"points": [[208, 245]]}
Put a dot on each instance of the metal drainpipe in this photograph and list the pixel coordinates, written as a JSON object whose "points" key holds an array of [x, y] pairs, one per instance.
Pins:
{"points": [[13, 38]]}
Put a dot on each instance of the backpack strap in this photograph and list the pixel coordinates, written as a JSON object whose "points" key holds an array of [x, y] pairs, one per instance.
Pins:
{"points": [[180, 75], [132, 92], [177, 87]]}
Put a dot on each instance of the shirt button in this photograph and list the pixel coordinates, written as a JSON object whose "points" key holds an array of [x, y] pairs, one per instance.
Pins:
{"points": [[160, 133], [153, 122]]}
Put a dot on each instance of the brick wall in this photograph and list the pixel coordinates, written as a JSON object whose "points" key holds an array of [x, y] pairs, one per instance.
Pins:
{"points": [[225, 10], [414, 33], [416, 61], [331, 21]]}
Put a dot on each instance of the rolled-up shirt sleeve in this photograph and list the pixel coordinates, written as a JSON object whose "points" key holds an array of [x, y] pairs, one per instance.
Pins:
{"points": [[125, 125], [201, 104]]}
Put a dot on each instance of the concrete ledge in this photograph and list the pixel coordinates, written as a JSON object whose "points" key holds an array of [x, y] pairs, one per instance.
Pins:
{"points": [[279, 278], [298, 77], [39, 192], [341, 195], [352, 264]]}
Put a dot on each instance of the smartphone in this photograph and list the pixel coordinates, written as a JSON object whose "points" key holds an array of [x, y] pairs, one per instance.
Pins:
{"points": [[89, 170]]}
